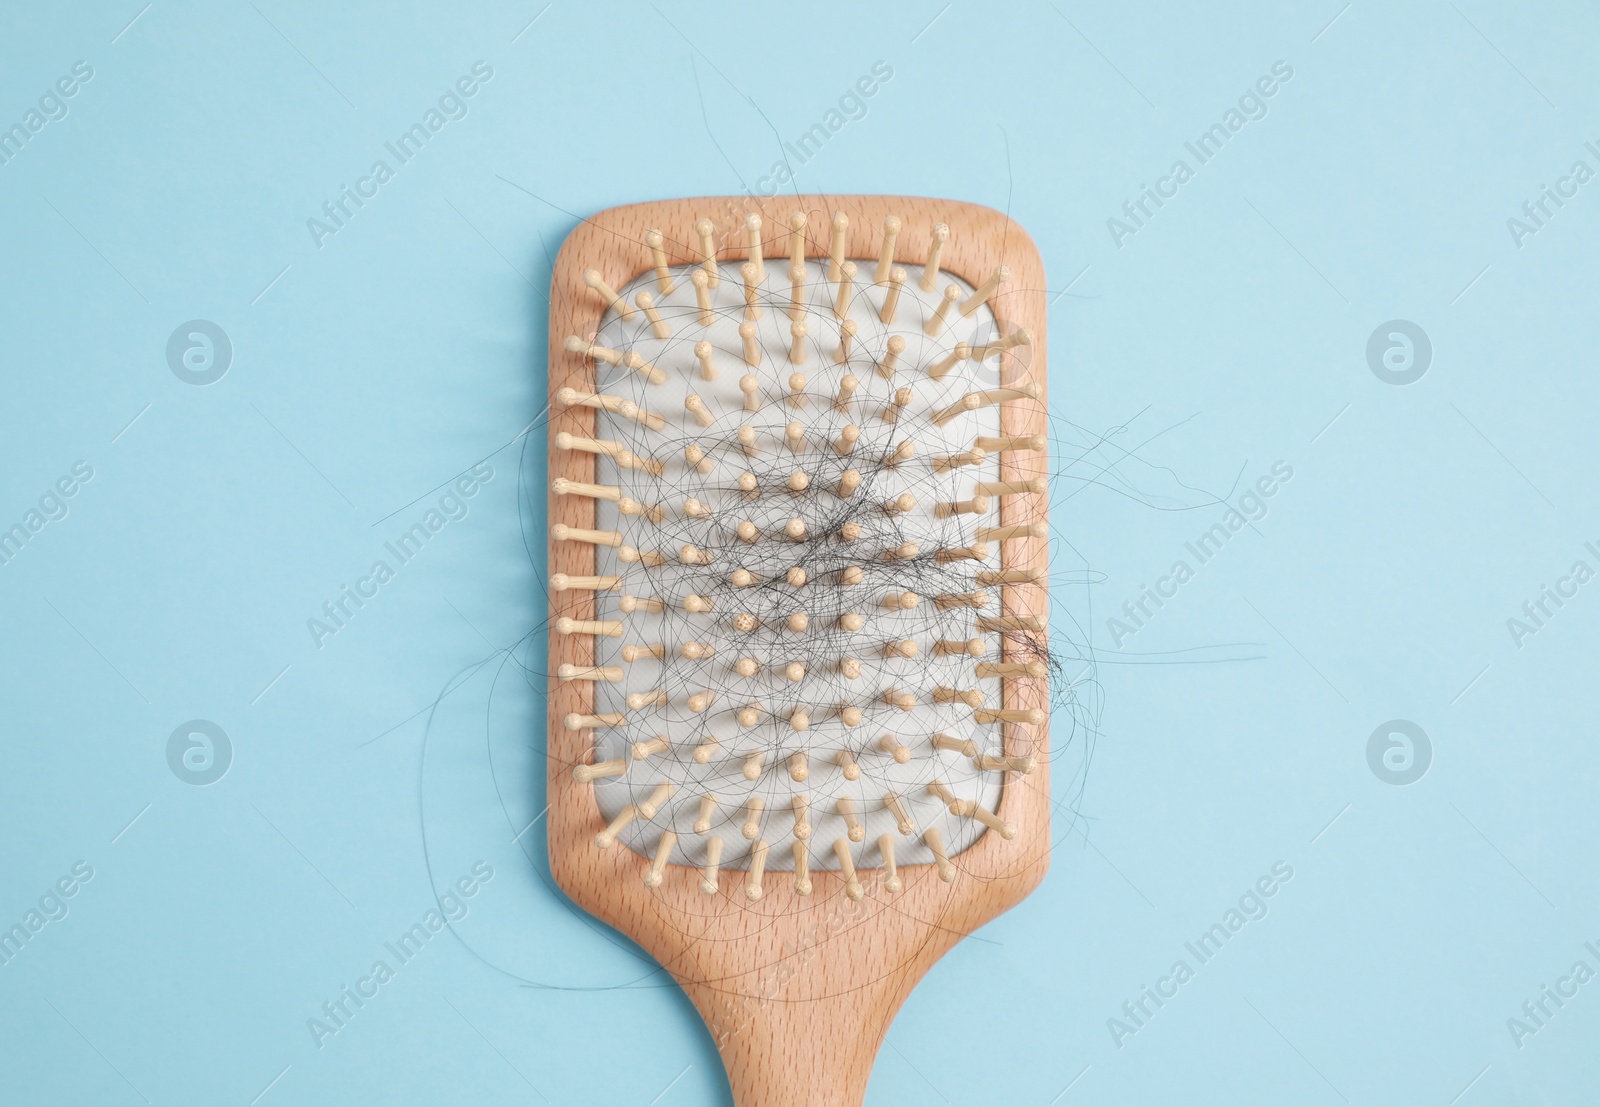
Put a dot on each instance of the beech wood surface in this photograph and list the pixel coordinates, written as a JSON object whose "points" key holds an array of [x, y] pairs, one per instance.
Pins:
{"points": [[798, 991]]}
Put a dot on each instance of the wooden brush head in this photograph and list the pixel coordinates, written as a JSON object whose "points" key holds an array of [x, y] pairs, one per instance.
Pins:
{"points": [[798, 981]]}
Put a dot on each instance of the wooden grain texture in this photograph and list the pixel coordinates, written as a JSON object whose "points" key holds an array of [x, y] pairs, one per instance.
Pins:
{"points": [[798, 991]]}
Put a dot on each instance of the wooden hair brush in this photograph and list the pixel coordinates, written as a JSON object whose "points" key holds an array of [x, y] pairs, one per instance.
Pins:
{"points": [[798, 731]]}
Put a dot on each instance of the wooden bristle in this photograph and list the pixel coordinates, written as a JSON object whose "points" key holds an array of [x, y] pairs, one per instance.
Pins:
{"points": [[653, 875], [583, 774], [797, 240], [752, 290], [608, 837], [657, 244], [702, 297], [891, 231], [747, 442], [643, 750], [891, 356], [900, 505], [610, 628], [801, 806], [658, 325], [707, 230], [697, 458], [656, 698], [561, 486], [1035, 487], [708, 882], [895, 748], [592, 278], [935, 840], [563, 582], [1035, 669], [891, 298], [971, 809], [904, 700], [751, 353], [628, 604], [901, 601], [990, 624], [758, 866], [1035, 529], [847, 868], [1015, 442], [939, 369], [841, 354], [971, 304], [930, 272], [1021, 337], [797, 292], [612, 674], [1010, 576], [576, 345], [972, 697], [978, 505], [841, 224], [846, 809], [974, 456], [891, 877], [845, 290], [896, 405], [702, 353], [964, 746], [708, 807], [697, 408], [902, 814], [802, 868], [752, 233], [650, 559], [1009, 715], [639, 365], [752, 816], [941, 314], [989, 763]]}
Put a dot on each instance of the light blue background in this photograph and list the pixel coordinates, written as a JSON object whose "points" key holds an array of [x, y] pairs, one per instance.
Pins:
{"points": [[1229, 733]]}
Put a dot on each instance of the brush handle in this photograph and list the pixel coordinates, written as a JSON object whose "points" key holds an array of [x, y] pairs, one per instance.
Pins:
{"points": [[803, 1030], [807, 1054], [798, 1000]]}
